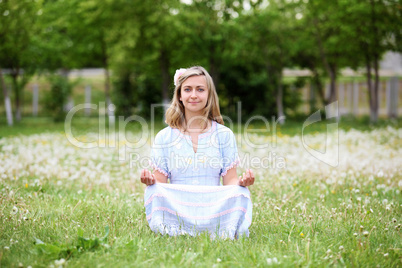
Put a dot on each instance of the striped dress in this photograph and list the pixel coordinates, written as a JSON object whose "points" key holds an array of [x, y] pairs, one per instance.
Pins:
{"points": [[195, 201]]}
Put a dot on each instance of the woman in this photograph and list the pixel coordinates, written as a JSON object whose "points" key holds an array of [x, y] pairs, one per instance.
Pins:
{"points": [[193, 153]]}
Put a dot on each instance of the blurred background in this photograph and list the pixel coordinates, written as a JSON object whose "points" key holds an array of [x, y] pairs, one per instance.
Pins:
{"points": [[278, 57]]}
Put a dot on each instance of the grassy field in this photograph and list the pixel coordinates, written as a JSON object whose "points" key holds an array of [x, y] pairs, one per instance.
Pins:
{"points": [[64, 206]]}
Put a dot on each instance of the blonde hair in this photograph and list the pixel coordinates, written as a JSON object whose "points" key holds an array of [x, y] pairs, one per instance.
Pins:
{"points": [[175, 113]]}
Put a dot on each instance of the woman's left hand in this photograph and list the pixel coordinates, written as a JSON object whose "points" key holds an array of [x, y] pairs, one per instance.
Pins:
{"points": [[247, 179]]}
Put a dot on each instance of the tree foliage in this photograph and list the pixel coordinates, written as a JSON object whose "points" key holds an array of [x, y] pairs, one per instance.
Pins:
{"points": [[245, 45]]}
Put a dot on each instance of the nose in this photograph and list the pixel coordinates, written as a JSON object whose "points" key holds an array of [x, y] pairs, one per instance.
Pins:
{"points": [[193, 94]]}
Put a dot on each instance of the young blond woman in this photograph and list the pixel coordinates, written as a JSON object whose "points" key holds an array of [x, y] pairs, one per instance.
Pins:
{"points": [[193, 153]]}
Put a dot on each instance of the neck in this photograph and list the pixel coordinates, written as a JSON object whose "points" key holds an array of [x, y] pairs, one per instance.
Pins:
{"points": [[196, 122]]}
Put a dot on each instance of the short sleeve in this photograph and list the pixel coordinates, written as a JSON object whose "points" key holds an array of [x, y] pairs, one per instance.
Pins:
{"points": [[228, 148], [159, 155]]}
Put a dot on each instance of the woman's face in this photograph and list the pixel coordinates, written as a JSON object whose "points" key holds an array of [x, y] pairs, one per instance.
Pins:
{"points": [[194, 94]]}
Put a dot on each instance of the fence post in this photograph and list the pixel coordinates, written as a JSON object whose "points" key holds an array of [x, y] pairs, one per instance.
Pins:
{"points": [[69, 105], [355, 98], [88, 99], [7, 103], [35, 99], [341, 98], [393, 97]]}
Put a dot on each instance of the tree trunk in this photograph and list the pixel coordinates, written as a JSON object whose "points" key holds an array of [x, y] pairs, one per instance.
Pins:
{"points": [[316, 80], [164, 65], [330, 68], [105, 62], [373, 90], [7, 102], [16, 88], [332, 87], [279, 100], [213, 68]]}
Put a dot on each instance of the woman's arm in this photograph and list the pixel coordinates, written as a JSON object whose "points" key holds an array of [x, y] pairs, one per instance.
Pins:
{"points": [[148, 178], [231, 178]]}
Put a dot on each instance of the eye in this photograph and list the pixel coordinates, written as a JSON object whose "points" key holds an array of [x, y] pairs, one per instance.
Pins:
{"points": [[187, 89], [200, 89]]}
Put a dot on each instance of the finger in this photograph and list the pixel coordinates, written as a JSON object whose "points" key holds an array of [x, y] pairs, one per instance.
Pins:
{"points": [[143, 176], [149, 178], [248, 176], [153, 179], [240, 181]]}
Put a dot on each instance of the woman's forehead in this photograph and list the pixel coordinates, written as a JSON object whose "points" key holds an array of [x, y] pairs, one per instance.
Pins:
{"points": [[195, 80]]}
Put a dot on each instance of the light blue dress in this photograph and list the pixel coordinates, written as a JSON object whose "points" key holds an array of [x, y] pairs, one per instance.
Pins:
{"points": [[195, 201]]}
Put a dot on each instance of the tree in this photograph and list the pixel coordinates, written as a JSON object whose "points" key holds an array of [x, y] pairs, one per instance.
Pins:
{"points": [[373, 24], [17, 28]]}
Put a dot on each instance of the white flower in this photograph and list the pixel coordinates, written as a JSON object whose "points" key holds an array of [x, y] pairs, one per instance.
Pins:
{"points": [[386, 255], [177, 75], [14, 211], [341, 248], [6, 248], [277, 208], [60, 262], [218, 260], [365, 233]]}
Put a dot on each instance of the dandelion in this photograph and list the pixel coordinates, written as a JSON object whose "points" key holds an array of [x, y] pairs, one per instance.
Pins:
{"points": [[361, 228], [393, 220], [386, 229], [341, 248], [355, 234], [14, 210], [60, 263], [385, 201], [365, 233], [218, 260], [277, 208], [301, 235], [388, 208], [329, 251], [386, 255], [6, 248]]}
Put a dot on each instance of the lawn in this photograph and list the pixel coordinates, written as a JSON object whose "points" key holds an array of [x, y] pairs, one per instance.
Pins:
{"points": [[66, 206]]}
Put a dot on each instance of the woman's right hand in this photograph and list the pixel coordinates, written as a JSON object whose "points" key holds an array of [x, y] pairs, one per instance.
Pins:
{"points": [[147, 177]]}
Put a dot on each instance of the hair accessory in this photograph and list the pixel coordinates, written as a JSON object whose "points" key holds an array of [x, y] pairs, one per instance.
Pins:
{"points": [[177, 75]]}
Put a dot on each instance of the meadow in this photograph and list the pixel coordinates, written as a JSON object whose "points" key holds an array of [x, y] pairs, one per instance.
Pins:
{"points": [[66, 206]]}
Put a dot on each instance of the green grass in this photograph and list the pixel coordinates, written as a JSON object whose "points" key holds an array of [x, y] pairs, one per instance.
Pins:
{"points": [[301, 221], [56, 214], [292, 127]]}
